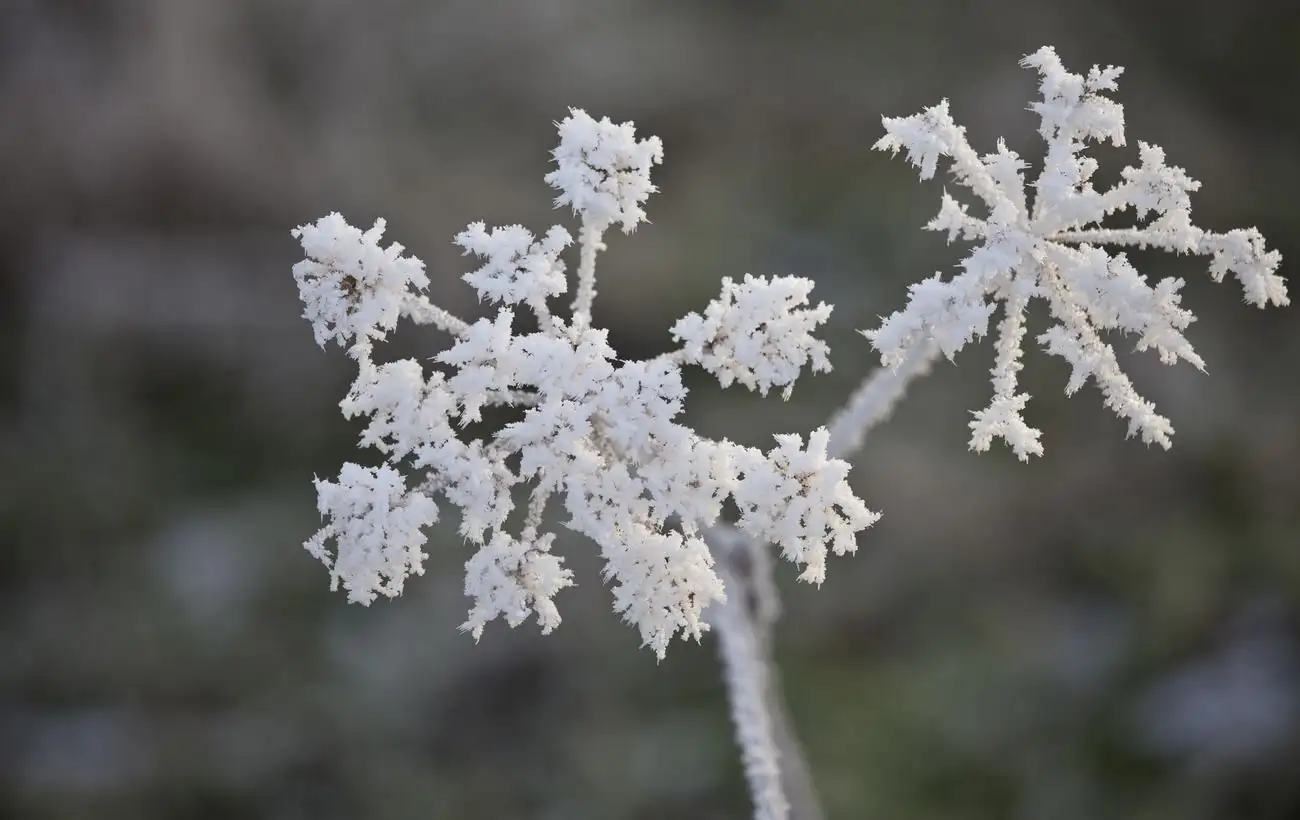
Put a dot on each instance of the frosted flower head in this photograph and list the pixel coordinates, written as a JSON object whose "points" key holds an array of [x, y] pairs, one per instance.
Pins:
{"points": [[518, 269], [603, 170], [799, 499], [758, 333], [594, 433], [352, 288], [1043, 239], [512, 579], [376, 524], [663, 583]]}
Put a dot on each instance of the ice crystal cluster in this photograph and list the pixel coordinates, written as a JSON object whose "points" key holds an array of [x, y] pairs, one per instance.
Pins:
{"points": [[1051, 245], [594, 434]]}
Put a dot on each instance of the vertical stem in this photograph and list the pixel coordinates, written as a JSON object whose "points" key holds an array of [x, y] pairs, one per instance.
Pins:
{"points": [[589, 246], [746, 672], [780, 779]]}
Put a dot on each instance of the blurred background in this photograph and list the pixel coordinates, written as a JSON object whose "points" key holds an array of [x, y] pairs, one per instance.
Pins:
{"points": [[1109, 631]]}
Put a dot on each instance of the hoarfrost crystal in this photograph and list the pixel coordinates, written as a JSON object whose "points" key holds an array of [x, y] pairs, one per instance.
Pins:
{"points": [[1043, 247], [758, 333], [604, 170], [377, 525]]}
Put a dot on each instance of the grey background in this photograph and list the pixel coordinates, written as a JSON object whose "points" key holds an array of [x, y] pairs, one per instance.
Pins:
{"points": [[1110, 631]]}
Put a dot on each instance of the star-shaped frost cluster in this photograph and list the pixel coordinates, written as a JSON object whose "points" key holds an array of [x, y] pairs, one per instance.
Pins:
{"points": [[1050, 245]]}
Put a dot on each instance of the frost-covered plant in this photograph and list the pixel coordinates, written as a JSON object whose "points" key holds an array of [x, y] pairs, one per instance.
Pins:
{"points": [[1049, 245], [601, 436], [597, 433]]}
